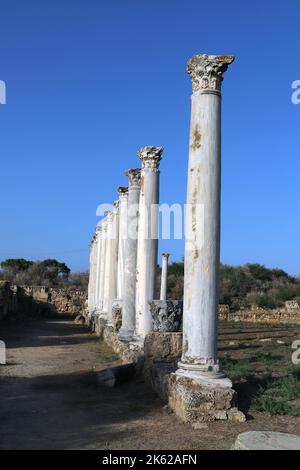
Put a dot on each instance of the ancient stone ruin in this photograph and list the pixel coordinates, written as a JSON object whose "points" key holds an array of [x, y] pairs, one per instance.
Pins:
{"points": [[18, 302], [174, 345]]}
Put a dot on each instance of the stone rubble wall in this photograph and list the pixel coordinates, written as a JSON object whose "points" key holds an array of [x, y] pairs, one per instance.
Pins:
{"points": [[290, 313], [22, 301]]}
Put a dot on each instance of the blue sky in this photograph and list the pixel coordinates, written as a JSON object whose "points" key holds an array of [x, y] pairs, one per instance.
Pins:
{"points": [[89, 82]]}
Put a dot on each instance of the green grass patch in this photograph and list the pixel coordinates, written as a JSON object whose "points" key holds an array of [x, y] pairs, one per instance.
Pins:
{"points": [[273, 398], [237, 368]]}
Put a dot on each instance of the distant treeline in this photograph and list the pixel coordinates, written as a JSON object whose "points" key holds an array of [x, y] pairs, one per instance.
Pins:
{"points": [[48, 272], [243, 286], [240, 286]]}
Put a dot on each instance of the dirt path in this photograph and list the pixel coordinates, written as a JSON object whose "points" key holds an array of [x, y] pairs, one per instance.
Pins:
{"points": [[49, 398]]}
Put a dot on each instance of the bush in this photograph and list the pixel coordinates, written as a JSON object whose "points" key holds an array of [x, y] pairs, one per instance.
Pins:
{"points": [[286, 293], [266, 301], [260, 272]]}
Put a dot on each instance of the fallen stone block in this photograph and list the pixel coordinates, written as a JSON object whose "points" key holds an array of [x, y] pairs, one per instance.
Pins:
{"points": [[116, 375], [266, 440]]}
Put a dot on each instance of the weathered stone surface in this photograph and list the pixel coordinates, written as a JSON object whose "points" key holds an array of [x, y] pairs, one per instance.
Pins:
{"points": [[121, 348], [161, 353], [166, 315], [266, 440], [165, 347], [65, 301], [117, 315], [235, 415], [193, 402]]}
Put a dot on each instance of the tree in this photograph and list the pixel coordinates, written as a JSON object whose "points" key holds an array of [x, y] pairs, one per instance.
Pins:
{"points": [[15, 265], [56, 269], [48, 272]]}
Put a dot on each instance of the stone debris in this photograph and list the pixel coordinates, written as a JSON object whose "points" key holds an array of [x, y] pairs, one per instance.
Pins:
{"points": [[266, 440], [116, 375]]}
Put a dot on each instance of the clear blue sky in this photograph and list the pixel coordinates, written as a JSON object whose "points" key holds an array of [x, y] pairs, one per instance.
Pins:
{"points": [[90, 81]]}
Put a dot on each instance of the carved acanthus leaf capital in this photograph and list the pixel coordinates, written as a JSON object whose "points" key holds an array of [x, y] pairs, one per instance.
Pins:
{"points": [[134, 177], [206, 71], [123, 193], [150, 157]]}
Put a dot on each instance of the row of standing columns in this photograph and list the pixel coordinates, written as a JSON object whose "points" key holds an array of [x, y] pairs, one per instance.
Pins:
{"points": [[123, 251], [137, 258]]}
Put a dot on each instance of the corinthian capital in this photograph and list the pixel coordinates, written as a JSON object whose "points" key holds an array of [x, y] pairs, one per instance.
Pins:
{"points": [[134, 177], [150, 157], [123, 193], [206, 71]]}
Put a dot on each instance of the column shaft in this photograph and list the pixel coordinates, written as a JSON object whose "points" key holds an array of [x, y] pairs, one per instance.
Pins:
{"points": [[102, 264], [111, 263], [202, 245], [164, 276], [128, 307], [123, 202], [98, 265], [147, 238]]}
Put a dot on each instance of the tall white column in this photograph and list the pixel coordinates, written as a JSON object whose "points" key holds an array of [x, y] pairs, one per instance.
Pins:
{"points": [[123, 198], [102, 263], [92, 279], [111, 263], [147, 239], [107, 272], [98, 264], [90, 302], [128, 308], [202, 246], [164, 276]]}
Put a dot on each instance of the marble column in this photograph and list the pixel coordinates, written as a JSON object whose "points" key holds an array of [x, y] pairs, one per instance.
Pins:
{"points": [[92, 280], [128, 308], [147, 239], [202, 244], [102, 263], [164, 276], [123, 202], [107, 270], [98, 264], [90, 286], [111, 263]]}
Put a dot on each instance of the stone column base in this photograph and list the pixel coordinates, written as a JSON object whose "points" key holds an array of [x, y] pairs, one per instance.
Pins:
{"points": [[137, 343], [194, 402], [99, 325], [125, 335]]}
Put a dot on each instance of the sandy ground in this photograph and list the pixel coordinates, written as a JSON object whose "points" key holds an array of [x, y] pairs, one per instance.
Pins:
{"points": [[49, 398]]}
